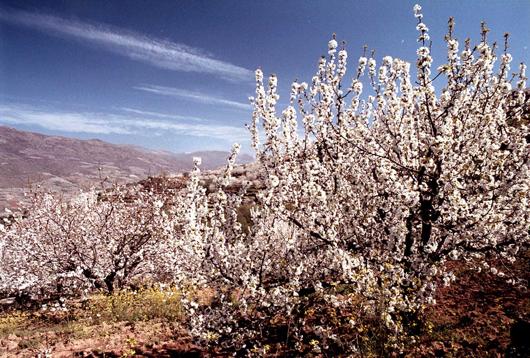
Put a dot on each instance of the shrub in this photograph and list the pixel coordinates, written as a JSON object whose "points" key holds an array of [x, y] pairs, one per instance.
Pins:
{"points": [[148, 303], [375, 194], [96, 240]]}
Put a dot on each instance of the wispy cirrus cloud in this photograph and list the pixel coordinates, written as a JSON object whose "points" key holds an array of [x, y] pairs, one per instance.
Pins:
{"points": [[111, 123], [73, 122], [160, 115], [192, 96], [156, 52]]}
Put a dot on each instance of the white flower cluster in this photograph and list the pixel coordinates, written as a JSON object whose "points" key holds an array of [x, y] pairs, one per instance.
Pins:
{"points": [[97, 240], [378, 194]]}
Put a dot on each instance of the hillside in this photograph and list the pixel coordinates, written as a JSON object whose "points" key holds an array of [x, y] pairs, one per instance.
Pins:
{"points": [[67, 164]]}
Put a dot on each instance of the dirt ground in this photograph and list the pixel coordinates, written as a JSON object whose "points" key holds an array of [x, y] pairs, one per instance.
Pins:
{"points": [[481, 315]]}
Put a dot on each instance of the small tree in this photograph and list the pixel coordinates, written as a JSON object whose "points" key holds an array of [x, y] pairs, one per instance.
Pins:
{"points": [[97, 240], [376, 194]]}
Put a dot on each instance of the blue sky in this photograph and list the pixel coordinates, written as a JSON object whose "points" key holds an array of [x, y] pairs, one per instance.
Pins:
{"points": [[176, 75]]}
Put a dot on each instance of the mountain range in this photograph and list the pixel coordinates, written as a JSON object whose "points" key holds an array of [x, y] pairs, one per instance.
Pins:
{"points": [[66, 165]]}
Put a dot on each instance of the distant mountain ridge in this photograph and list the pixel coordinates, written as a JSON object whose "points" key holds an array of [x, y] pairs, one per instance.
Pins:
{"points": [[67, 164]]}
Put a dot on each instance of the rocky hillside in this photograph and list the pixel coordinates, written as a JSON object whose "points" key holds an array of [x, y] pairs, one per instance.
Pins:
{"points": [[67, 164]]}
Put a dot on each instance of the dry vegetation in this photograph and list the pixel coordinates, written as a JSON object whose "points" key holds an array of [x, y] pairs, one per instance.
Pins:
{"points": [[125, 323]]}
